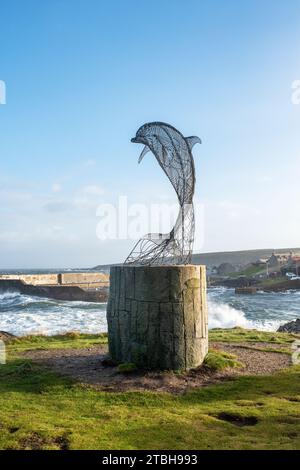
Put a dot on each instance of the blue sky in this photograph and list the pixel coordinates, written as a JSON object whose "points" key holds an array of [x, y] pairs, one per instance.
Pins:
{"points": [[82, 76]]}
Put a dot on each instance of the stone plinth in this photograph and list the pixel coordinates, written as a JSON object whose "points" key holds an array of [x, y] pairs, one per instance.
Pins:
{"points": [[157, 316]]}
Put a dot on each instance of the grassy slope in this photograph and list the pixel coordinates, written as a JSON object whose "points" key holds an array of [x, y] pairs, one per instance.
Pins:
{"points": [[249, 271], [38, 409]]}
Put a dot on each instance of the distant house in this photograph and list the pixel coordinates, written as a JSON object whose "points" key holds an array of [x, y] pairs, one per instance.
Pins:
{"points": [[273, 261], [293, 264], [226, 268], [276, 261]]}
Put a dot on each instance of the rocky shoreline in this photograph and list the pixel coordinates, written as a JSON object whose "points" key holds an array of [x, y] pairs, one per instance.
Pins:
{"points": [[290, 327]]}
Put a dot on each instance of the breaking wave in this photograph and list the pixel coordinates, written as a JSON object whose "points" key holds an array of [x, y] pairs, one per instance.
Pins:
{"points": [[23, 314], [262, 311], [221, 315]]}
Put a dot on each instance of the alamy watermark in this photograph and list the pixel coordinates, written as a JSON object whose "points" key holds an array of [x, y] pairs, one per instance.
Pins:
{"points": [[2, 352], [295, 97], [127, 221], [2, 92]]}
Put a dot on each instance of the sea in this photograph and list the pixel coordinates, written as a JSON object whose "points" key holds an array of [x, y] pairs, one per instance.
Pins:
{"points": [[24, 314]]}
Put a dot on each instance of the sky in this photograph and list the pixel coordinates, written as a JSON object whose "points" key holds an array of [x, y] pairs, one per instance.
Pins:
{"points": [[82, 76]]}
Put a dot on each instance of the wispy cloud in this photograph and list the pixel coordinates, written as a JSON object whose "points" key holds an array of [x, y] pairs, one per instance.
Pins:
{"points": [[56, 187], [57, 206], [93, 190]]}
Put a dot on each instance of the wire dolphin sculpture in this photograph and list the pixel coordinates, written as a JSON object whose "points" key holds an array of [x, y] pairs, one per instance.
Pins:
{"points": [[173, 152]]}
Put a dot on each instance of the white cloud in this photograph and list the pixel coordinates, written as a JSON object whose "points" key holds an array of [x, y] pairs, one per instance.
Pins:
{"points": [[14, 196], [57, 206], [93, 190], [56, 187]]}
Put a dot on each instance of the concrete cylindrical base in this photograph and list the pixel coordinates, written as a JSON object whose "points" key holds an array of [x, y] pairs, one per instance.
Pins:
{"points": [[157, 316]]}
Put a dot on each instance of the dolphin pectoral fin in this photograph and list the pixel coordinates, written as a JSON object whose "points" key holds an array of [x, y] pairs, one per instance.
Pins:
{"points": [[145, 150], [192, 140]]}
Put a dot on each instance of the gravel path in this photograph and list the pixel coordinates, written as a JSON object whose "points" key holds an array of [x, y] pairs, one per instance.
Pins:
{"points": [[85, 366], [256, 362]]}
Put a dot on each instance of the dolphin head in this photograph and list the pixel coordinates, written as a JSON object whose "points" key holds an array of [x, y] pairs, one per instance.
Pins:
{"points": [[144, 136], [159, 137]]}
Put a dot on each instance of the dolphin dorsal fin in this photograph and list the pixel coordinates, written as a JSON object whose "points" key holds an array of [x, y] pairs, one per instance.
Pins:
{"points": [[192, 140]]}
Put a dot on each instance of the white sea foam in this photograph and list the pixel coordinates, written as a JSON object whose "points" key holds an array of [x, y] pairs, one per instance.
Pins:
{"points": [[221, 315], [23, 314]]}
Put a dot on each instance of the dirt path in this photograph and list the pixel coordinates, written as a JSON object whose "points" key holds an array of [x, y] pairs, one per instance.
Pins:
{"points": [[85, 366]]}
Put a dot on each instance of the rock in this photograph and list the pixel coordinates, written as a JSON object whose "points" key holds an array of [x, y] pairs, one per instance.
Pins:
{"points": [[4, 336], [157, 316], [225, 268], [290, 327]]}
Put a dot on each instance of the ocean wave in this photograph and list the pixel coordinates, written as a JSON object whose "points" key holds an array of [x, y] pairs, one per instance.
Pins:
{"points": [[22, 314], [222, 315], [8, 295]]}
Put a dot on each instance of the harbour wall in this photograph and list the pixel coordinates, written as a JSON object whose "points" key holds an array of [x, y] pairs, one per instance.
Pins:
{"points": [[88, 287], [83, 280]]}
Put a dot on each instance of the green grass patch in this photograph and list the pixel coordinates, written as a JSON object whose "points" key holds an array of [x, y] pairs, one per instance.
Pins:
{"points": [[249, 271], [220, 360], [69, 340], [237, 335], [41, 410]]}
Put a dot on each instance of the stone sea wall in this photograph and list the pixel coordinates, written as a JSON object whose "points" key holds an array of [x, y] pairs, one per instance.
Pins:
{"points": [[84, 280], [89, 287]]}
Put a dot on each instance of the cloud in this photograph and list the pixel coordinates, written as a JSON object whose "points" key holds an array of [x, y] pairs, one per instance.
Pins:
{"points": [[13, 236], [56, 187], [11, 196], [93, 190], [57, 206]]}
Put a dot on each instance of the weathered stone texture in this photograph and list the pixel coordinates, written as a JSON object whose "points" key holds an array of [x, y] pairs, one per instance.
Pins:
{"points": [[157, 316]]}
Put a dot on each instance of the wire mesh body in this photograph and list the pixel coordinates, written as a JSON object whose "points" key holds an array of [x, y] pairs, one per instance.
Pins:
{"points": [[173, 152]]}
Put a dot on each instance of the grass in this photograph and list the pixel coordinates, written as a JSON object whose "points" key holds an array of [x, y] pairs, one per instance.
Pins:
{"points": [[69, 340], [237, 335], [249, 271], [41, 410], [220, 360]]}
